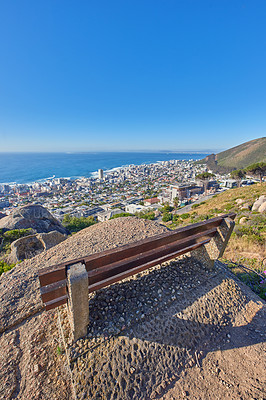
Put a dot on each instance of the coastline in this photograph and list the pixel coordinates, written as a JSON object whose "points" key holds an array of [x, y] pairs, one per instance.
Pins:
{"points": [[115, 164]]}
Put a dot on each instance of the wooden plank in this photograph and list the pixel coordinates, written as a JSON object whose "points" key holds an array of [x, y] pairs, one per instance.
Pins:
{"points": [[52, 275], [56, 303], [56, 273], [116, 278], [53, 291], [142, 258], [113, 255]]}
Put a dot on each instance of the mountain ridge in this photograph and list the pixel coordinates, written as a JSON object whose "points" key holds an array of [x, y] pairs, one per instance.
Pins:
{"points": [[237, 157]]}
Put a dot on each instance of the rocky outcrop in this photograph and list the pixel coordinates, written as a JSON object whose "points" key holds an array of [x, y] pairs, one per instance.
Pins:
{"points": [[259, 204], [262, 208], [35, 217], [29, 246]]}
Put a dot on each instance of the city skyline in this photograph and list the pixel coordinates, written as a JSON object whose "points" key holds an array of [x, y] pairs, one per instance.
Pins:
{"points": [[121, 76]]}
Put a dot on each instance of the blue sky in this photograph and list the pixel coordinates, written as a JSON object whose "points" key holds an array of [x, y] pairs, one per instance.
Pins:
{"points": [[131, 75]]}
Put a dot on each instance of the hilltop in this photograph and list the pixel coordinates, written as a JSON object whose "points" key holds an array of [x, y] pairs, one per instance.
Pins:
{"points": [[238, 157], [167, 328]]}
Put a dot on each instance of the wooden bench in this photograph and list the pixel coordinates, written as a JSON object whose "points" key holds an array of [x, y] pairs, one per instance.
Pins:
{"points": [[70, 282]]}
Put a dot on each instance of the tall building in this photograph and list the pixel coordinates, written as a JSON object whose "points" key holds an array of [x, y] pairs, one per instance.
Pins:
{"points": [[100, 174]]}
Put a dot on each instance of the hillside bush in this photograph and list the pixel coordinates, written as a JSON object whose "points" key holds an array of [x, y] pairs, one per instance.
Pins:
{"points": [[167, 217], [123, 214], [75, 224], [4, 267], [12, 235], [166, 208], [176, 217], [185, 215], [148, 215], [194, 206]]}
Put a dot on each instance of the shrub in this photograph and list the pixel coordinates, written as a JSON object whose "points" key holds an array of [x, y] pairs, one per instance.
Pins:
{"points": [[176, 217], [166, 208], [252, 233], [194, 206], [124, 214], [74, 224], [4, 267], [11, 236], [167, 217], [185, 215], [148, 215], [15, 234]]}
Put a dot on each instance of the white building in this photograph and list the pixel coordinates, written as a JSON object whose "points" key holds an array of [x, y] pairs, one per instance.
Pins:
{"points": [[106, 215], [134, 208], [100, 174]]}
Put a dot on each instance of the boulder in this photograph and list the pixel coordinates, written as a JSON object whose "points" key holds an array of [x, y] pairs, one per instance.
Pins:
{"points": [[262, 207], [243, 220], [258, 203], [240, 201], [31, 245], [246, 206], [33, 216]]}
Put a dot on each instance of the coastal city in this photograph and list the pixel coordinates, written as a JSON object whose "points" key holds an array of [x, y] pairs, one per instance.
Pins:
{"points": [[132, 189]]}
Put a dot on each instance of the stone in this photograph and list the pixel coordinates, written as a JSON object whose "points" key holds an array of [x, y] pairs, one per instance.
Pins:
{"points": [[262, 208], [35, 217], [240, 201], [31, 245], [258, 203], [243, 220], [246, 206]]}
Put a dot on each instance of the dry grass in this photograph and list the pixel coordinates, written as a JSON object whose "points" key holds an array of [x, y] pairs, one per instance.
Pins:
{"points": [[223, 200], [248, 240]]}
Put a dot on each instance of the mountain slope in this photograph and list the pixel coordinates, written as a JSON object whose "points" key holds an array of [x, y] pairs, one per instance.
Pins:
{"points": [[243, 155], [238, 157]]}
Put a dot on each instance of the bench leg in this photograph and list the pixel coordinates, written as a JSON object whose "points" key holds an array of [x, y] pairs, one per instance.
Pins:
{"points": [[78, 305], [213, 250]]}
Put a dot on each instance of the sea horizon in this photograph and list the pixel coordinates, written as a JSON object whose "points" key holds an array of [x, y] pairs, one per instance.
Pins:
{"points": [[29, 167]]}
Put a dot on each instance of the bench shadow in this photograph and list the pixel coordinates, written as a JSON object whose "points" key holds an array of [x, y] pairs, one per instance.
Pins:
{"points": [[153, 325], [170, 305]]}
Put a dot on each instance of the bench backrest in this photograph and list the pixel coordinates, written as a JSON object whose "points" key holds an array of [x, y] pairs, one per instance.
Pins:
{"points": [[113, 265]]}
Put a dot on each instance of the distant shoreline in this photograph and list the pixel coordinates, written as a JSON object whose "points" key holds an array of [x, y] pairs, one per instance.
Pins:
{"points": [[29, 168]]}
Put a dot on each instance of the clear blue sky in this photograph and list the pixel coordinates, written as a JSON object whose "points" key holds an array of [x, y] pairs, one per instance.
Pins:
{"points": [[131, 74]]}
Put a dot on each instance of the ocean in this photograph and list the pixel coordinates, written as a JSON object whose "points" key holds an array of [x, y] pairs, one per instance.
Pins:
{"points": [[31, 167]]}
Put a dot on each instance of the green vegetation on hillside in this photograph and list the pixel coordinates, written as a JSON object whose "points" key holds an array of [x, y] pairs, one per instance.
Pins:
{"points": [[247, 243], [10, 236], [258, 170], [74, 224], [123, 214], [238, 157], [4, 267]]}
